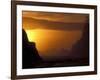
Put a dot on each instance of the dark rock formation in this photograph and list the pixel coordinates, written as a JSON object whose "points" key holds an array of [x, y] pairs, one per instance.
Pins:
{"points": [[30, 56], [81, 48]]}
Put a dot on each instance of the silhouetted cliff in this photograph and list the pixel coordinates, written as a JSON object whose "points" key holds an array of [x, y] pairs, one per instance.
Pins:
{"points": [[30, 56], [81, 48]]}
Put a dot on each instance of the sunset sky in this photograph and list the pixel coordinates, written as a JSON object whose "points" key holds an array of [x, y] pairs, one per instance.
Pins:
{"points": [[53, 33]]}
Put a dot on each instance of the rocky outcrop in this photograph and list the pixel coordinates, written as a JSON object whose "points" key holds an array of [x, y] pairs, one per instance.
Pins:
{"points": [[30, 56], [81, 48]]}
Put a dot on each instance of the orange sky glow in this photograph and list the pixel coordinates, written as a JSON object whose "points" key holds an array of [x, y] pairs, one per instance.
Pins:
{"points": [[50, 32]]}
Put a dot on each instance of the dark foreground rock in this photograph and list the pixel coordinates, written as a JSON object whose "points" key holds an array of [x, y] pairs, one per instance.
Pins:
{"points": [[30, 54]]}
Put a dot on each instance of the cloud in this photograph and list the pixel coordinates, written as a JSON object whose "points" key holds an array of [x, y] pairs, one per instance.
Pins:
{"points": [[57, 17], [30, 23]]}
